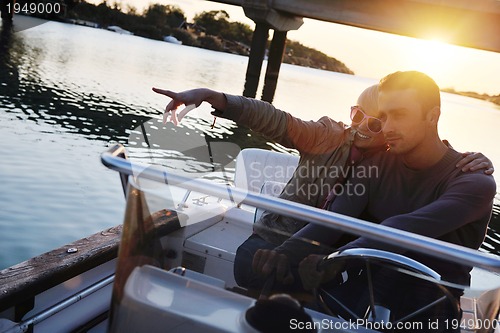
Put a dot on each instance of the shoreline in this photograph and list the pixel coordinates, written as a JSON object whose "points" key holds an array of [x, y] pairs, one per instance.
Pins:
{"points": [[471, 94]]}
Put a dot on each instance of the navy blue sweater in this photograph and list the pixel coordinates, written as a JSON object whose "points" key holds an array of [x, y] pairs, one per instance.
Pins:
{"points": [[441, 202]]}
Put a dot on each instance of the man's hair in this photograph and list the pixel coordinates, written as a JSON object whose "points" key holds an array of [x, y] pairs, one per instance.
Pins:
{"points": [[427, 89]]}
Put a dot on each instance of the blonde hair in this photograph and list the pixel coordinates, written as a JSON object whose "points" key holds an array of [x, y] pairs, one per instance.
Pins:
{"points": [[368, 99]]}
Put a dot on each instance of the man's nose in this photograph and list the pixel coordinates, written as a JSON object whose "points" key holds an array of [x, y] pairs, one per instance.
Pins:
{"points": [[387, 126]]}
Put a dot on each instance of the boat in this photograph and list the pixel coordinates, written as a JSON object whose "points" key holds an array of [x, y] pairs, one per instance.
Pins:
{"points": [[172, 39], [119, 30], [169, 268]]}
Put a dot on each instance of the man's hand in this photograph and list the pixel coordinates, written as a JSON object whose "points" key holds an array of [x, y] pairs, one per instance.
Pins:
{"points": [[266, 261], [475, 161], [317, 269], [310, 275]]}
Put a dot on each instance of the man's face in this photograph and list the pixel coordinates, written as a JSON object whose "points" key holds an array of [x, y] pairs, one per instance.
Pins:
{"points": [[404, 125]]}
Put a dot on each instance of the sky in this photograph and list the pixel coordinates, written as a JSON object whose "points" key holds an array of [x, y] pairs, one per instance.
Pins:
{"points": [[374, 54]]}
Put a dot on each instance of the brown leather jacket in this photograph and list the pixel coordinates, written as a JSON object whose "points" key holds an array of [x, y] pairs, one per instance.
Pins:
{"points": [[323, 146]]}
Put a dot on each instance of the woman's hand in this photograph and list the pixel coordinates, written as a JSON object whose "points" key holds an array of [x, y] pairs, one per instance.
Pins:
{"points": [[191, 99], [475, 161]]}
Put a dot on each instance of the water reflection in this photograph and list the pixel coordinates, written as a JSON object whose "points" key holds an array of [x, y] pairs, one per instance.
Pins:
{"points": [[94, 116], [9, 44], [492, 241], [97, 117]]}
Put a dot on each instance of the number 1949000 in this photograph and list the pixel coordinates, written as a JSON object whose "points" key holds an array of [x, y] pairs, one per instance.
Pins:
{"points": [[34, 8]]}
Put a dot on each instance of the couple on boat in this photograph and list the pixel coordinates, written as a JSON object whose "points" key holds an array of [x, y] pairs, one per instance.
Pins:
{"points": [[420, 184]]}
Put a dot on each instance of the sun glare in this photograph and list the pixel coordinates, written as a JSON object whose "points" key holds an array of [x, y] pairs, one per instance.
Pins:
{"points": [[434, 56]]}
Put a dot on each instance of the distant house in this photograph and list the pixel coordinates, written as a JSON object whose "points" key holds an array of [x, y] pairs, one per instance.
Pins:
{"points": [[235, 47], [193, 28]]}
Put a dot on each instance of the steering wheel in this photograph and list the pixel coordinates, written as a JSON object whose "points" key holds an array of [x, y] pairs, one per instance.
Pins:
{"points": [[377, 311]]}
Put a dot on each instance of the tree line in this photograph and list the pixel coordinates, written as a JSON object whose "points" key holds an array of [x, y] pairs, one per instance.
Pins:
{"points": [[210, 29]]}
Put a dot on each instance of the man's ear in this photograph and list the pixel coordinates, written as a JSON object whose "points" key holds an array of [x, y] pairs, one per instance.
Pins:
{"points": [[433, 115]]}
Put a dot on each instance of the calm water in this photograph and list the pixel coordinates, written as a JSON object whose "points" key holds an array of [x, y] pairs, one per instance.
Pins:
{"points": [[67, 92]]}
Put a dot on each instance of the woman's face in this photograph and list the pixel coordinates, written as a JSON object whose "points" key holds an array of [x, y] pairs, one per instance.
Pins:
{"points": [[368, 128]]}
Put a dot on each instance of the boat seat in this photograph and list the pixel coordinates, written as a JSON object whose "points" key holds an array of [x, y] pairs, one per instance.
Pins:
{"points": [[263, 171], [212, 251], [255, 166], [271, 188]]}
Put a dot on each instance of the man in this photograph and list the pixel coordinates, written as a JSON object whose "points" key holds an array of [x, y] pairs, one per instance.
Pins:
{"points": [[418, 188]]}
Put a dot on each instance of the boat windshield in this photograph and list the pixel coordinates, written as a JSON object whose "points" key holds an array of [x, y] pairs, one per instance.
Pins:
{"points": [[181, 266]]}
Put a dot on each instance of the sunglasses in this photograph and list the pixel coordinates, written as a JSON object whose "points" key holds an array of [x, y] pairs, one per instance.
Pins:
{"points": [[358, 116]]}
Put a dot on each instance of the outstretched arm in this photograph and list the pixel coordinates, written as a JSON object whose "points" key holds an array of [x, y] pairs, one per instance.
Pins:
{"points": [[316, 137]]}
